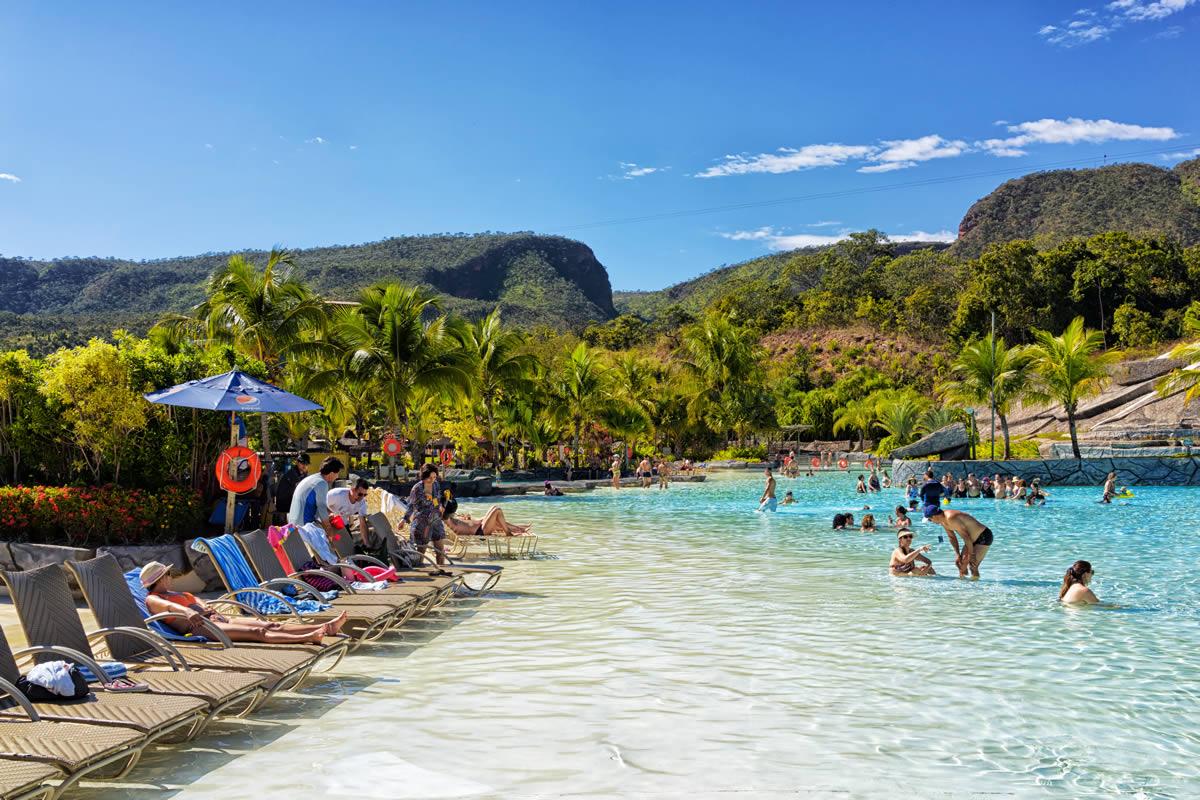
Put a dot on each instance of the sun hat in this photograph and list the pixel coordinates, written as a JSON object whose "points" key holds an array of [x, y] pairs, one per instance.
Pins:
{"points": [[152, 573], [900, 534]]}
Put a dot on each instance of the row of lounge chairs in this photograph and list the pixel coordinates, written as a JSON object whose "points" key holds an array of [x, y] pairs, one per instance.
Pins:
{"points": [[46, 748]]}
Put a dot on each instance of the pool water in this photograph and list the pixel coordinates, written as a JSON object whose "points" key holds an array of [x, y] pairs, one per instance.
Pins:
{"points": [[681, 645]]}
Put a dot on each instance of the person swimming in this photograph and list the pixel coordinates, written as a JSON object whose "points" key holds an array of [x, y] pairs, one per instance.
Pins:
{"points": [[843, 521], [902, 521], [868, 524], [904, 562], [1075, 585], [789, 499]]}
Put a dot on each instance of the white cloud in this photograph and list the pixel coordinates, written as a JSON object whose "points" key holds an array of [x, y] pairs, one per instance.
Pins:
{"points": [[1139, 10], [825, 223], [353, 147], [1173, 32], [890, 166], [315, 140], [1072, 131], [630, 171], [778, 240], [1091, 26], [208, 146], [8, 176], [1181, 155], [787, 159]]}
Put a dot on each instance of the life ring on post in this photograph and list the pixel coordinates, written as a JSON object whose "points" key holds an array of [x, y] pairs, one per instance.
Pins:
{"points": [[446, 456], [816, 462], [391, 446], [870, 464], [843, 463], [230, 468]]}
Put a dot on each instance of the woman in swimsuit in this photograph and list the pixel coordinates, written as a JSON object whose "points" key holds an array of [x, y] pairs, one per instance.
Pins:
{"points": [[1075, 585], [901, 522], [492, 524], [868, 524], [904, 563], [156, 577]]}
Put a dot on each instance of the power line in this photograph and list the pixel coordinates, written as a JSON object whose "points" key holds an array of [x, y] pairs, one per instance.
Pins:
{"points": [[864, 190]]}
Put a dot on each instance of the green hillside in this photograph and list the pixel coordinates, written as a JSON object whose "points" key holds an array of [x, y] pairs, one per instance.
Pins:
{"points": [[535, 279], [1050, 207]]}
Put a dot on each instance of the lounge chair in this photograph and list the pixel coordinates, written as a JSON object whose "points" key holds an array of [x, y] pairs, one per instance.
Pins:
{"points": [[383, 528], [178, 701], [262, 558], [26, 780], [113, 602], [72, 750], [365, 623], [426, 592]]}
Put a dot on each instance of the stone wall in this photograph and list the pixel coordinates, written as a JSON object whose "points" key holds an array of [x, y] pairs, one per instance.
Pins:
{"points": [[1066, 471]]}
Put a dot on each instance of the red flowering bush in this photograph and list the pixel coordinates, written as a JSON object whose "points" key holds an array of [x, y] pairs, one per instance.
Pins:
{"points": [[90, 517]]}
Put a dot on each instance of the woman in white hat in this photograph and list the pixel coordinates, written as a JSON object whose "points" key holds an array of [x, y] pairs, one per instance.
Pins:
{"points": [[161, 598], [905, 559]]}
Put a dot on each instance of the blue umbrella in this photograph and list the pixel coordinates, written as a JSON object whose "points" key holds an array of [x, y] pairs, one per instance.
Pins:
{"points": [[232, 391]]}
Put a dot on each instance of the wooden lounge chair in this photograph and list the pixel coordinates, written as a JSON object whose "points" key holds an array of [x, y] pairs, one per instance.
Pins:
{"points": [[26, 780], [176, 703], [491, 572], [261, 555], [365, 623], [114, 605], [73, 750]]}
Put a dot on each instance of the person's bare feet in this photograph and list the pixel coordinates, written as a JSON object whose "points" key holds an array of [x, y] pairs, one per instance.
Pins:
{"points": [[334, 626]]}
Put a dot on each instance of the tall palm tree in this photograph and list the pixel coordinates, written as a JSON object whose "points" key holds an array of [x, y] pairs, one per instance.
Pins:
{"points": [[723, 360], [1069, 368], [267, 314], [857, 415], [581, 394], [989, 365], [499, 368], [1187, 376], [635, 382], [396, 342]]}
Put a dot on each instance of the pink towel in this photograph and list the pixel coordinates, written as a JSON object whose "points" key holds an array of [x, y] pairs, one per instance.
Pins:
{"points": [[275, 536], [381, 574]]}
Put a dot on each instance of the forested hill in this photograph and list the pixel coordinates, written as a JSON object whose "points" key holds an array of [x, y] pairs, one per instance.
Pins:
{"points": [[1050, 207], [535, 279]]}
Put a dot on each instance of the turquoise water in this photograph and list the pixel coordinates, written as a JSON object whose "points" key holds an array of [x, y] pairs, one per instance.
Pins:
{"points": [[681, 645]]}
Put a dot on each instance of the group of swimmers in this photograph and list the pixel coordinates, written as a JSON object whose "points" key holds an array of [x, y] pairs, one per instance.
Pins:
{"points": [[999, 487], [645, 473]]}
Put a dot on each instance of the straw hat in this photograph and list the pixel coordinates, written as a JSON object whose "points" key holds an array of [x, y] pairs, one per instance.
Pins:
{"points": [[900, 534], [152, 573]]}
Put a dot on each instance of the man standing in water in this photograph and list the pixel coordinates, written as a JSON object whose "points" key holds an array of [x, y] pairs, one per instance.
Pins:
{"points": [[977, 537], [931, 492], [768, 502], [643, 472]]}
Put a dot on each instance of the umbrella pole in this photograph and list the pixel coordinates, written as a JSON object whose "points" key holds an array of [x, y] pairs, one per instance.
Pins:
{"points": [[230, 497]]}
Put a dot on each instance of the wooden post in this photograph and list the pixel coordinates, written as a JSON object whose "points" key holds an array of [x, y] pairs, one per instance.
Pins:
{"points": [[230, 497]]}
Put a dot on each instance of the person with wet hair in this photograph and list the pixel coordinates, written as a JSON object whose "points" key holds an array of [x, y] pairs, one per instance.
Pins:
{"points": [[1075, 589]]}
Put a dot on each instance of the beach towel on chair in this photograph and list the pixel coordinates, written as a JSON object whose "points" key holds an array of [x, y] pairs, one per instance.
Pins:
{"points": [[133, 579], [224, 550], [275, 536], [314, 536]]}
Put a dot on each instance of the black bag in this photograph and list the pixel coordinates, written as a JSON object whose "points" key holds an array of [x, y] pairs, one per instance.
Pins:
{"points": [[40, 694]]}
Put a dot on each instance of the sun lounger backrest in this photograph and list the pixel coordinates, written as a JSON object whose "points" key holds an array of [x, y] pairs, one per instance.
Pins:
{"points": [[47, 609], [261, 555], [297, 551], [8, 662], [112, 603], [382, 525], [343, 543], [230, 561]]}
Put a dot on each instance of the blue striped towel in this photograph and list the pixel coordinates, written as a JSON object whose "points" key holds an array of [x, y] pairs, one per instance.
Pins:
{"points": [[224, 550]]}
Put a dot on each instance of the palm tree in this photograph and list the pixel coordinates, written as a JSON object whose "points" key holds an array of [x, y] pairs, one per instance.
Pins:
{"points": [[1187, 376], [899, 413], [581, 394], [395, 342], [499, 368], [934, 418], [635, 385], [1069, 368], [989, 365], [724, 362], [268, 315], [857, 415]]}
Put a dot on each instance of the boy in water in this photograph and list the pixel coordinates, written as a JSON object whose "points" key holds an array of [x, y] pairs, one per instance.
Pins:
{"points": [[977, 537], [768, 502]]}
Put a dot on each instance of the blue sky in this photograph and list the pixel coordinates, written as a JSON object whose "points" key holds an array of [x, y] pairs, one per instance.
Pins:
{"points": [[160, 129]]}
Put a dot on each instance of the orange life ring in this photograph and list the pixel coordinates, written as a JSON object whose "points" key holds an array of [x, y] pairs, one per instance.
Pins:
{"points": [[391, 446], [227, 463], [843, 463], [870, 463], [446, 456], [816, 462]]}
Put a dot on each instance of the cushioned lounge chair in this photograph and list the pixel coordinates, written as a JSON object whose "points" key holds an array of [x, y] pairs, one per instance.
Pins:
{"points": [[115, 607], [177, 704], [383, 528], [365, 623], [74, 750], [262, 558], [27, 780]]}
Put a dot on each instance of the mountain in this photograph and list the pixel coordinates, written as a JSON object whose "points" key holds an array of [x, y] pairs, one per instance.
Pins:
{"points": [[535, 279], [1048, 207]]}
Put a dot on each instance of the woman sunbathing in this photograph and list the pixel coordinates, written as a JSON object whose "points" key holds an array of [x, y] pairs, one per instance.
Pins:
{"points": [[492, 524], [156, 577]]}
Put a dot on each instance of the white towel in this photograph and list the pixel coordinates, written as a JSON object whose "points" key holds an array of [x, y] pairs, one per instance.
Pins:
{"points": [[53, 676]]}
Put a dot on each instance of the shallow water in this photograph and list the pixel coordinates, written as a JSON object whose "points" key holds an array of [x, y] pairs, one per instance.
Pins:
{"points": [[681, 645]]}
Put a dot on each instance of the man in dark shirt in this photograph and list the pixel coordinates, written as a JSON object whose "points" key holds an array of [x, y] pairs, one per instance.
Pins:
{"points": [[287, 482], [931, 494]]}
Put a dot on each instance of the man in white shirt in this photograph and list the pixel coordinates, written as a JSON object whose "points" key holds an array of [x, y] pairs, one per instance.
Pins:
{"points": [[349, 501], [310, 500]]}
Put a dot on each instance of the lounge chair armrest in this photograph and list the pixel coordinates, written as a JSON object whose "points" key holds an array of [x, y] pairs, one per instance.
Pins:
{"points": [[342, 583], [210, 628], [248, 609], [299, 586], [372, 561], [259, 590], [161, 645], [364, 576], [21, 700], [73, 655]]}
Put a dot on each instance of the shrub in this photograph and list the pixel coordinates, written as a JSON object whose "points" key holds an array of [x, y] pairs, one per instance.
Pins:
{"points": [[108, 515], [753, 453]]}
